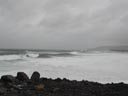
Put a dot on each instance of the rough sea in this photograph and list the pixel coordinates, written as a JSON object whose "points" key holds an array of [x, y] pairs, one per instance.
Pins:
{"points": [[99, 66]]}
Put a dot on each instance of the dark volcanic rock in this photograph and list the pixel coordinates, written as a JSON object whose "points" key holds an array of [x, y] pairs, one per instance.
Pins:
{"points": [[3, 90], [35, 76], [22, 76], [8, 78]]}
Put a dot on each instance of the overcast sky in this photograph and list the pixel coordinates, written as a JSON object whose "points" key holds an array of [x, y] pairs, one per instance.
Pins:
{"points": [[63, 24]]}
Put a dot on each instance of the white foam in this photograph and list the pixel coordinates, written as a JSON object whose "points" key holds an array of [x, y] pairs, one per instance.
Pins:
{"points": [[74, 53], [10, 57]]}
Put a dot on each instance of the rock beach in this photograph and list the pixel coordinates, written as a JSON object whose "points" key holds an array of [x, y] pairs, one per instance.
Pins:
{"points": [[22, 85]]}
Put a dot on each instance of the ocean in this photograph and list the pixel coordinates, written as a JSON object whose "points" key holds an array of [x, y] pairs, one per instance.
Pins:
{"points": [[98, 66]]}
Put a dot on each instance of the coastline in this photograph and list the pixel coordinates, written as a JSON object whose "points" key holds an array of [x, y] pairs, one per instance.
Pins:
{"points": [[22, 85]]}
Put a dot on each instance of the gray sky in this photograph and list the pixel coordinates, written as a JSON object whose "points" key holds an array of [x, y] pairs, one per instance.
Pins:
{"points": [[63, 24]]}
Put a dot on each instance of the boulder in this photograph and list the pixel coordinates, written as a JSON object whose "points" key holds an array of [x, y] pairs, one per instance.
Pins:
{"points": [[22, 76], [8, 78], [35, 76]]}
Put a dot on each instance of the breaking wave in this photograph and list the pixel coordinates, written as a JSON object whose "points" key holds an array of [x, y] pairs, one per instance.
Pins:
{"points": [[59, 54], [30, 54]]}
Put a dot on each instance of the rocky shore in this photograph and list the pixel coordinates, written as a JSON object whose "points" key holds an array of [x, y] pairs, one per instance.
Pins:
{"points": [[22, 85]]}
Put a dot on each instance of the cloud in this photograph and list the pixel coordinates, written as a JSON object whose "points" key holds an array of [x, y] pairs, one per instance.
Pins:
{"points": [[62, 24]]}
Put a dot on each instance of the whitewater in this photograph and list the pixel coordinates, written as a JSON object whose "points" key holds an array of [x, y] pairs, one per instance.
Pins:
{"points": [[104, 67]]}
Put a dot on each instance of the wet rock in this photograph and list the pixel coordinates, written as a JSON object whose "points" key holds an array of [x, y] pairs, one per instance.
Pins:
{"points": [[3, 91], [35, 76], [58, 80], [19, 86], [22, 76], [8, 78], [28, 93], [55, 89]]}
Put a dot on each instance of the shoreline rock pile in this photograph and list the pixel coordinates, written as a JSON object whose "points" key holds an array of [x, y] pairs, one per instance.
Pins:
{"points": [[22, 85]]}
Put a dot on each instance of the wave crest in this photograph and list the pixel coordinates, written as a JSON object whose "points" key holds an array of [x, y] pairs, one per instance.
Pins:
{"points": [[30, 54]]}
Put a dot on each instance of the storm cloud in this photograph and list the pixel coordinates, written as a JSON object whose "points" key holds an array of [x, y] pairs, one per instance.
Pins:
{"points": [[63, 24]]}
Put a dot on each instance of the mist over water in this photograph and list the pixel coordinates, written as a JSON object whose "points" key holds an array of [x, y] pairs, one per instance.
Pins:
{"points": [[100, 66]]}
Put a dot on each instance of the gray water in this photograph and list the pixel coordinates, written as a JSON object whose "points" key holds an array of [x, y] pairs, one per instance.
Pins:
{"points": [[100, 66]]}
